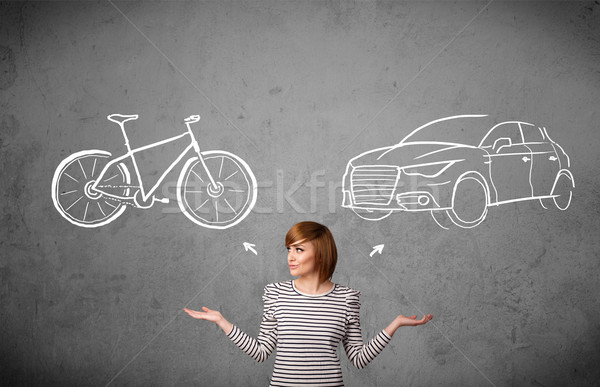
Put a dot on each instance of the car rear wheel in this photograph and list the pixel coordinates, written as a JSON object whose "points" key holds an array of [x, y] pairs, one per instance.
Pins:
{"points": [[562, 192]]}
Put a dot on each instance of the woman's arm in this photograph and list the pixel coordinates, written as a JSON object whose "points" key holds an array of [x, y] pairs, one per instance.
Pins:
{"points": [[403, 321], [359, 353], [258, 348]]}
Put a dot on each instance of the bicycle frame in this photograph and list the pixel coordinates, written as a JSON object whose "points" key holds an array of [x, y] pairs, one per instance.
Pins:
{"points": [[131, 154]]}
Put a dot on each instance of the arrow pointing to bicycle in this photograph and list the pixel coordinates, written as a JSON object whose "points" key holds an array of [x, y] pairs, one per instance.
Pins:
{"points": [[249, 246], [376, 249]]}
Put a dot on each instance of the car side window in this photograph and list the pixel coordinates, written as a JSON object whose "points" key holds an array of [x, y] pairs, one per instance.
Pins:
{"points": [[502, 135], [532, 133]]}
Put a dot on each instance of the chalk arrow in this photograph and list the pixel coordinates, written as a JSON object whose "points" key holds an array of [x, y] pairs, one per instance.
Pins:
{"points": [[249, 246], [376, 249]]}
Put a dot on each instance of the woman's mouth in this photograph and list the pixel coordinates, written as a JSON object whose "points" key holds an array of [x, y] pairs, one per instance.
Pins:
{"points": [[293, 266]]}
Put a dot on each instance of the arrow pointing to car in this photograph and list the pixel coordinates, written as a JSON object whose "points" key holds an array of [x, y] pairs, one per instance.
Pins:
{"points": [[376, 249], [250, 246]]}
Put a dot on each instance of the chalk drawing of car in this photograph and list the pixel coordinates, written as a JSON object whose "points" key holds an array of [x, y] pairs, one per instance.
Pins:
{"points": [[458, 180]]}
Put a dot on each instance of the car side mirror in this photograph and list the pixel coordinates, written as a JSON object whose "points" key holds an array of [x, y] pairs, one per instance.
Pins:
{"points": [[499, 143]]}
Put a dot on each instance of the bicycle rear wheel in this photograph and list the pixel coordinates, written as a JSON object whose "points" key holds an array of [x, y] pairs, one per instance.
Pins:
{"points": [[223, 206], [72, 194]]}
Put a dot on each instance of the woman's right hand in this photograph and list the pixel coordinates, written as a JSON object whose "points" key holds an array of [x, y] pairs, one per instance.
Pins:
{"points": [[210, 315]]}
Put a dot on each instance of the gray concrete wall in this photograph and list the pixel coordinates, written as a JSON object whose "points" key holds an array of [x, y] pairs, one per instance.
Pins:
{"points": [[296, 89]]}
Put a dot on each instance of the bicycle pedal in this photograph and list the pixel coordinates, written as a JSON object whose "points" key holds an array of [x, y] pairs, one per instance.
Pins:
{"points": [[163, 200]]}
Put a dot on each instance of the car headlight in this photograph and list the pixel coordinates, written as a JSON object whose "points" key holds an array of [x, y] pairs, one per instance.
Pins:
{"points": [[429, 170]]}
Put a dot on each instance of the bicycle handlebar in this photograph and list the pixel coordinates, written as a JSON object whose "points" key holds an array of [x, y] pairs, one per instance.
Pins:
{"points": [[193, 118]]}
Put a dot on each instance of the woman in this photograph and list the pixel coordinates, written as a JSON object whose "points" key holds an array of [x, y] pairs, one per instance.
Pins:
{"points": [[306, 318]]}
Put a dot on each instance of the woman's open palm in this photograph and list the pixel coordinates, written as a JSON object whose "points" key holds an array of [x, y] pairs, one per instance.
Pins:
{"points": [[208, 314], [412, 320]]}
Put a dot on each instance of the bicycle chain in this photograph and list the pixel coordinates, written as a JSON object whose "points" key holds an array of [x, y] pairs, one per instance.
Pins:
{"points": [[120, 201], [118, 186]]}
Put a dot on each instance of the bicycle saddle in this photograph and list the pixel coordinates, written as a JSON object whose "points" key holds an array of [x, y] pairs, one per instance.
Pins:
{"points": [[192, 119], [121, 118]]}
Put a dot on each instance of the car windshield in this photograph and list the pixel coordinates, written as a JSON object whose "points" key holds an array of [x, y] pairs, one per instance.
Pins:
{"points": [[466, 130]]}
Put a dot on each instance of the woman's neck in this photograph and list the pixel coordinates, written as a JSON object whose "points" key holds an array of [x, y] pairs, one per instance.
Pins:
{"points": [[310, 284]]}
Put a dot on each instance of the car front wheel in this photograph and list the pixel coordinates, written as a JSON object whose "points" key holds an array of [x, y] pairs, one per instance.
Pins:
{"points": [[372, 214], [469, 203]]}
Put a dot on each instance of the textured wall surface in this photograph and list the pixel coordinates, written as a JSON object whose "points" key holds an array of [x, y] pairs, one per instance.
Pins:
{"points": [[295, 89]]}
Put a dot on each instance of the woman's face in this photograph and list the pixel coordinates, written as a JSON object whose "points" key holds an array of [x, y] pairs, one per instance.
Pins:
{"points": [[301, 258]]}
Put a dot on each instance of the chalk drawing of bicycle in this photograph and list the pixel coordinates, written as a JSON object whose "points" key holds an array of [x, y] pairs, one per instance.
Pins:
{"points": [[215, 189]]}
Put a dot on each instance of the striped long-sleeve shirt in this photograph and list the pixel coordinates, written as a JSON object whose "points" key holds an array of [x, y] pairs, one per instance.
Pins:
{"points": [[306, 330]]}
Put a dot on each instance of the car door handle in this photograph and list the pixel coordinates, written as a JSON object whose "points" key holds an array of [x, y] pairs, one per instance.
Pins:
{"points": [[552, 158], [525, 159]]}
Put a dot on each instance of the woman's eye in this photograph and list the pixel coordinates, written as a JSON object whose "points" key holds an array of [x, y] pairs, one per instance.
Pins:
{"points": [[299, 249]]}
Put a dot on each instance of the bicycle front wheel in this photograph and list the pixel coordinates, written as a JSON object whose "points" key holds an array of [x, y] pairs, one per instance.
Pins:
{"points": [[72, 192], [226, 204]]}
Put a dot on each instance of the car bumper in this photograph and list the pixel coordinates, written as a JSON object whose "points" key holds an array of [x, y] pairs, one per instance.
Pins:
{"points": [[406, 201]]}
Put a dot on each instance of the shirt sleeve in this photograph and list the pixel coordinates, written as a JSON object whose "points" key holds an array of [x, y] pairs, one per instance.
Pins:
{"points": [[261, 347], [360, 354]]}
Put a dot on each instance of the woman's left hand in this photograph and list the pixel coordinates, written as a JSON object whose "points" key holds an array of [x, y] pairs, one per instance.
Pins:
{"points": [[412, 321], [403, 321]]}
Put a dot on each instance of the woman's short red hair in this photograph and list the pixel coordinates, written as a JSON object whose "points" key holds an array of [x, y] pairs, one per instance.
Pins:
{"points": [[322, 239]]}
